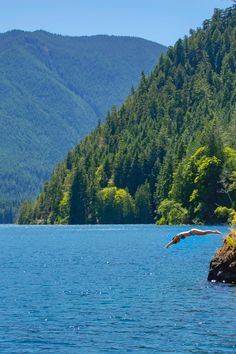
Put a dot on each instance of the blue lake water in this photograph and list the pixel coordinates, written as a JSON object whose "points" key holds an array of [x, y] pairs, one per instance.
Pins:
{"points": [[111, 289]]}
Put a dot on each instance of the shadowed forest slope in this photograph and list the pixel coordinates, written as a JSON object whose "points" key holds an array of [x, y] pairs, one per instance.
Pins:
{"points": [[53, 91], [168, 153]]}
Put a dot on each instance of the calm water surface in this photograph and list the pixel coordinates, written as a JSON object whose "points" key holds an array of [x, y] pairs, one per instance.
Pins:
{"points": [[111, 289]]}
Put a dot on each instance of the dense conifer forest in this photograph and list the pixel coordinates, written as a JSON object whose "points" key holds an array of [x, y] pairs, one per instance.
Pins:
{"points": [[168, 154], [53, 91]]}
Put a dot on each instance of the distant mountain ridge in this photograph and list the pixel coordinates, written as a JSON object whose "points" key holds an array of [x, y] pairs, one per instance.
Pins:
{"points": [[53, 90], [168, 154]]}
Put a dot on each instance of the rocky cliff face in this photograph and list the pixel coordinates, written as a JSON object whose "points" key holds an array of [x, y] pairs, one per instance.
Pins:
{"points": [[223, 265]]}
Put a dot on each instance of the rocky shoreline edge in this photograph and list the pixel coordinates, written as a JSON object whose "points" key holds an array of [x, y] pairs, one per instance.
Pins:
{"points": [[223, 265]]}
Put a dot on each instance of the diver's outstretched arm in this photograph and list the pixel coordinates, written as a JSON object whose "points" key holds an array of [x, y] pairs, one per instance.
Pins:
{"points": [[169, 244]]}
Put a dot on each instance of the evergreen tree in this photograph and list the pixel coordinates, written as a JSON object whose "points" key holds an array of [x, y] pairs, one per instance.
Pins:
{"points": [[170, 147], [143, 206]]}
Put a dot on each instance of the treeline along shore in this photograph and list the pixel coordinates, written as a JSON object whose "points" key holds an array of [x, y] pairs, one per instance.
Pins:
{"points": [[168, 154], [54, 90]]}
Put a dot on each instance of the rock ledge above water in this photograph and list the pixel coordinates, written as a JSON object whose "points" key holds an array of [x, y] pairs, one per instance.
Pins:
{"points": [[223, 265]]}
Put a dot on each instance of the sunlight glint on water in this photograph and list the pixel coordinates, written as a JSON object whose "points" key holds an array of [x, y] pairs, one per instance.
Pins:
{"points": [[93, 289]]}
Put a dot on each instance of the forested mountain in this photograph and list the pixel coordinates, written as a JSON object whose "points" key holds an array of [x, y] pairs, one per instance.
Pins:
{"points": [[53, 91], [168, 153]]}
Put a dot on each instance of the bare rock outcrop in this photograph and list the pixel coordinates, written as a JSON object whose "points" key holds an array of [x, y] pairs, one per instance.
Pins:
{"points": [[223, 265]]}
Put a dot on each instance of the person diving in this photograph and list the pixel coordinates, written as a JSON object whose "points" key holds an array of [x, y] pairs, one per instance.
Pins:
{"points": [[193, 232]]}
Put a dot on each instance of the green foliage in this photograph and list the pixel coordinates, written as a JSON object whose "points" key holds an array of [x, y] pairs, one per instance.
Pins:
{"points": [[64, 209], [115, 206], [169, 147], [8, 211], [171, 213], [77, 201], [224, 215], [26, 213], [203, 196], [143, 207], [199, 185], [228, 176], [231, 241], [233, 222], [53, 91]]}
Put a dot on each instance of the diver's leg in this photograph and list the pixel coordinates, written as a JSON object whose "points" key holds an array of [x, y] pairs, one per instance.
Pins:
{"points": [[204, 232]]}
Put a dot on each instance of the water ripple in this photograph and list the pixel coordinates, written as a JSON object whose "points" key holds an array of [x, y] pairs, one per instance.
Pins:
{"points": [[105, 289]]}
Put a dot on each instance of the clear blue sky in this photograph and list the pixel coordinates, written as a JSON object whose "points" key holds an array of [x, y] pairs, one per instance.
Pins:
{"points": [[162, 21]]}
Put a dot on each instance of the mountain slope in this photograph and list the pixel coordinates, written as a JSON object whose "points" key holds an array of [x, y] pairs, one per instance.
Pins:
{"points": [[53, 90], [168, 151]]}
